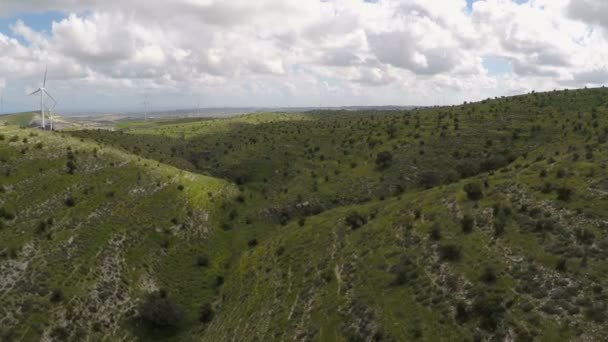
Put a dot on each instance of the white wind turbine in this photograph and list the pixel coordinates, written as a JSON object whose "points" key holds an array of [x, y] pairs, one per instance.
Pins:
{"points": [[146, 104], [51, 113], [42, 91]]}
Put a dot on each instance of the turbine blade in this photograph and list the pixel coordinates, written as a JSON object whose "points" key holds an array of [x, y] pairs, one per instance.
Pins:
{"points": [[45, 71], [49, 95], [36, 92]]}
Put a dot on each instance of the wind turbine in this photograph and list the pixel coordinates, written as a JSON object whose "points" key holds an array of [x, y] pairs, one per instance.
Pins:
{"points": [[51, 113], [42, 91], [145, 104]]}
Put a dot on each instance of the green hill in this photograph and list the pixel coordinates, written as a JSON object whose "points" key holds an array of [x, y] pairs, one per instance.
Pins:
{"points": [[484, 221]]}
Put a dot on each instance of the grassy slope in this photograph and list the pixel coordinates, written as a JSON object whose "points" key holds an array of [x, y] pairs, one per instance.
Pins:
{"points": [[130, 229], [21, 119]]}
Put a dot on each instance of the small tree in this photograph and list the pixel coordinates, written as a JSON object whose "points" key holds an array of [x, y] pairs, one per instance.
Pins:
{"points": [[564, 194], [449, 252], [355, 220], [158, 311], [435, 234], [467, 223], [384, 160], [473, 191], [202, 261], [206, 313]]}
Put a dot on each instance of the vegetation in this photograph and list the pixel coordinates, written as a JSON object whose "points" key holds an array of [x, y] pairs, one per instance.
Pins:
{"points": [[484, 221]]}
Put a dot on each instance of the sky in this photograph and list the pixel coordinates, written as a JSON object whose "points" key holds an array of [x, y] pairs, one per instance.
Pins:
{"points": [[111, 55]]}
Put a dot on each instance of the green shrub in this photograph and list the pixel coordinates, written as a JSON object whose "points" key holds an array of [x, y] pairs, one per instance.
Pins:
{"points": [[473, 191], [564, 194], [206, 313], [202, 261], [467, 223], [384, 160], [355, 220], [489, 275], [157, 310], [435, 234], [449, 252]]}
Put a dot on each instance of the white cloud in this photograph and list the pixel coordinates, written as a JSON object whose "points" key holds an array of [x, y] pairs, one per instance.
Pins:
{"points": [[274, 52]]}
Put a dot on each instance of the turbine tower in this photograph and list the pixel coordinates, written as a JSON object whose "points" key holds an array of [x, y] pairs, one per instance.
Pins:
{"points": [[42, 91], [146, 103], [51, 114]]}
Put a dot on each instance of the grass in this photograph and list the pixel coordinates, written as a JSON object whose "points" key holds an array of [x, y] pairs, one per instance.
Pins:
{"points": [[151, 198]]}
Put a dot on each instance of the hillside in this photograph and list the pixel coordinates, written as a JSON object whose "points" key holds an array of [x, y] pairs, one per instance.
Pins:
{"points": [[484, 221], [87, 230]]}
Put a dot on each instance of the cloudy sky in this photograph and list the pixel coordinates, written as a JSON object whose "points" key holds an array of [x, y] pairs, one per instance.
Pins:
{"points": [[107, 55]]}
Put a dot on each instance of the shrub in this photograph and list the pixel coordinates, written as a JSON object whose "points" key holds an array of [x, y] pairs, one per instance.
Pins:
{"points": [[355, 220], [462, 314], [435, 234], [71, 166], [384, 160], [206, 313], [428, 179], [449, 252], [56, 296], [489, 275], [70, 201], [252, 243], [158, 311], [473, 191], [562, 265], [490, 310], [202, 261], [7, 214], [467, 223], [564, 194]]}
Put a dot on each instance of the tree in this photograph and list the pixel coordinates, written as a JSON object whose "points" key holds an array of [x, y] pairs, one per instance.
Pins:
{"points": [[564, 194], [467, 223], [158, 311], [449, 252], [435, 234], [206, 313], [473, 191], [384, 160], [355, 220]]}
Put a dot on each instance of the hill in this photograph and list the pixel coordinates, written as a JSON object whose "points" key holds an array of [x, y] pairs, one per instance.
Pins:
{"points": [[484, 221]]}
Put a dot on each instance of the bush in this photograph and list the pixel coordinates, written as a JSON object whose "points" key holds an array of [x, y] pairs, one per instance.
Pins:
{"points": [[7, 214], [564, 194], [490, 310], [473, 191], [252, 243], [355, 220], [488, 276], [384, 160], [467, 224], [449, 252], [70, 201], [71, 166], [206, 313], [435, 234], [562, 265], [429, 179], [202, 261], [56, 296], [158, 311]]}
